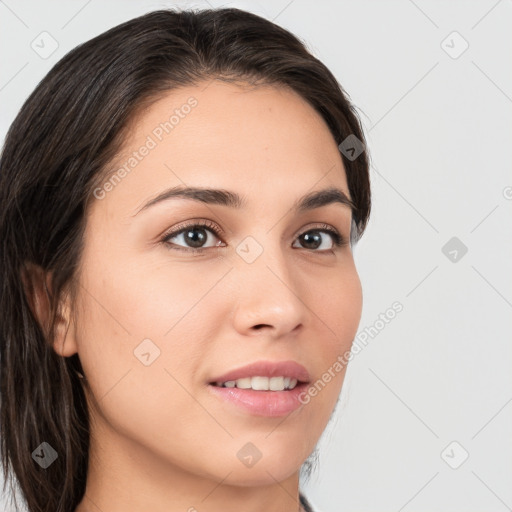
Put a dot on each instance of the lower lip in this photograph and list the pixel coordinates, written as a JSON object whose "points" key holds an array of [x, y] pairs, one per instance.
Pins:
{"points": [[262, 403]]}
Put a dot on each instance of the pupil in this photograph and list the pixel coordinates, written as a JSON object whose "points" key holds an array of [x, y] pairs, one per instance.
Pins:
{"points": [[196, 237], [315, 238]]}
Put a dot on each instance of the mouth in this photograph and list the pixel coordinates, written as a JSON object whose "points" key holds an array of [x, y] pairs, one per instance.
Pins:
{"points": [[266, 402], [261, 383], [263, 388]]}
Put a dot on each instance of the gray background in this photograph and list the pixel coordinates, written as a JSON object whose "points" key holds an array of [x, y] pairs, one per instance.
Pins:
{"points": [[439, 126]]}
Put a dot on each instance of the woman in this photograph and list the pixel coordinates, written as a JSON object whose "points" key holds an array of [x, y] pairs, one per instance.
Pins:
{"points": [[179, 201]]}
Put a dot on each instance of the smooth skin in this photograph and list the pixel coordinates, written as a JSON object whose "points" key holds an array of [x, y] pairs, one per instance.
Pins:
{"points": [[160, 440]]}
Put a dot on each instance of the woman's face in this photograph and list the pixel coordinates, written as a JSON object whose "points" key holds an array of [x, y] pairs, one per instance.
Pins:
{"points": [[157, 322]]}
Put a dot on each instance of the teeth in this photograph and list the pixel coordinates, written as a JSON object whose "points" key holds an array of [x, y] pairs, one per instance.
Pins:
{"points": [[243, 383], [276, 384], [261, 383]]}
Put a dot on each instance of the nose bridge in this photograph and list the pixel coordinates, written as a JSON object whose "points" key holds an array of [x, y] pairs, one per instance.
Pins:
{"points": [[267, 293]]}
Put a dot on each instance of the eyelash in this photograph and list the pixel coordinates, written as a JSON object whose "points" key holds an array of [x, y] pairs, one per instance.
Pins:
{"points": [[338, 239]]}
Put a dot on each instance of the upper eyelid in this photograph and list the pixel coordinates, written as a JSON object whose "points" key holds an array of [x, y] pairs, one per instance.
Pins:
{"points": [[217, 231]]}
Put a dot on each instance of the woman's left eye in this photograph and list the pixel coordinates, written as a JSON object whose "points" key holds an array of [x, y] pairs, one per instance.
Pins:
{"points": [[315, 239], [195, 237]]}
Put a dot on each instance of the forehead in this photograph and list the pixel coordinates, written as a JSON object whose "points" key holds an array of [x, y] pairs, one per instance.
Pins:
{"points": [[263, 139]]}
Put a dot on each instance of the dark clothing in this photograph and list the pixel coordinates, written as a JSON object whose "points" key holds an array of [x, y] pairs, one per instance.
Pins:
{"points": [[305, 503]]}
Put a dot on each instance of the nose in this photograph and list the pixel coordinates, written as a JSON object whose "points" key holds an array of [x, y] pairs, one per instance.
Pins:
{"points": [[268, 298]]}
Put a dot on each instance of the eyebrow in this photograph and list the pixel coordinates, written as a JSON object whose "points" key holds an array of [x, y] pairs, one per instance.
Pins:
{"points": [[223, 197]]}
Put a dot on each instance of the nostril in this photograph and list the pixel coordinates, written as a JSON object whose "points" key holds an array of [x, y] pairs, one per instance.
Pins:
{"points": [[259, 326]]}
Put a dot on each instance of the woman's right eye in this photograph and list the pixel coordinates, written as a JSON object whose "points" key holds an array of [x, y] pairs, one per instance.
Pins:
{"points": [[193, 237]]}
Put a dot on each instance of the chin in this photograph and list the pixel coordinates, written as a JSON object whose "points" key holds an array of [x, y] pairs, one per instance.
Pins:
{"points": [[273, 465], [258, 477]]}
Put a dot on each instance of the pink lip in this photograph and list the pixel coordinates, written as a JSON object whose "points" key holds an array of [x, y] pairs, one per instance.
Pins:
{"points": [[262, 403], [267, 369]]}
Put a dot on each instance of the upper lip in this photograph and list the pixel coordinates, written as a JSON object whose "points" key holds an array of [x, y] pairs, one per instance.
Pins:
{"points": [[289, 369]]}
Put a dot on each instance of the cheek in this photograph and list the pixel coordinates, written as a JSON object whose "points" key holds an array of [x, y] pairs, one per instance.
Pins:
{"points": [[350, 307], [138, 375], [139, 320], [337, 301]]}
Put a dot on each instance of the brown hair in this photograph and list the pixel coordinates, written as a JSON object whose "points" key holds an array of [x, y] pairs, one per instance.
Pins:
{"points": [[58, 147]]}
